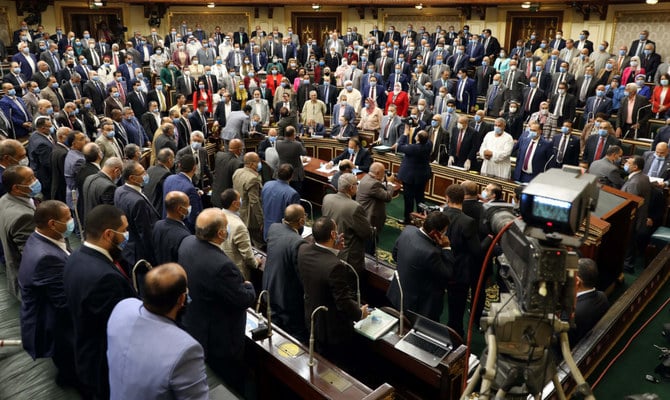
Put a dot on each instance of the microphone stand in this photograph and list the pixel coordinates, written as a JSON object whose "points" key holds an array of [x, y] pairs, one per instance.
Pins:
{"points": [[358, 282], [75, 199], [268, 312], [311, 334], [402, 301], [134, 271], [637, 118]]}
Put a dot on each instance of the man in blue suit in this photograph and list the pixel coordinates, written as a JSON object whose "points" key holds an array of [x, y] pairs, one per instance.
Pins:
{"points": [[140, 212], [597, 104], [414, 170], [142, 367], [40, 145], [395, 77], [127, 69], [276, 195], [475, 51], [534, 154], [183, 182], [217, 315], [15, 109], [566, 147], [169, 232], [96, 278], [342, 109], [46, 328], [465, 92]]}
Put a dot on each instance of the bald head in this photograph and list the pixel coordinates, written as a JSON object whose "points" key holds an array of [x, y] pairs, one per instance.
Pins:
{"points": [[470, 188], [165, 288], [377, 170], [211, 225], [176, 205], [294, 215], [236, 146], [251, 159], [662, 149]]}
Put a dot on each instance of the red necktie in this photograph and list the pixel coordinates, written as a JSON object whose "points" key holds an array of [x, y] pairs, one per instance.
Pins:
{"points": [[599, 149], [458, 145], [526, 161]]}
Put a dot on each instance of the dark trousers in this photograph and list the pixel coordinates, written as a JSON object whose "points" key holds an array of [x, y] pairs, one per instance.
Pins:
{"points": [[457, 295], [412, 193], [231, 370]]}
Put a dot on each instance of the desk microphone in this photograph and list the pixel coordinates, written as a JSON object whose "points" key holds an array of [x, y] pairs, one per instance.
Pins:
{"points": [[402, 301], [75, 199], [311, 334], [263, 331], [374, 240], [134, 271], [358, 282]]}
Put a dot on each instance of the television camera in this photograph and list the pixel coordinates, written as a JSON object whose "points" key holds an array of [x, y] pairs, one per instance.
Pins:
{"points": [[538, 265]]}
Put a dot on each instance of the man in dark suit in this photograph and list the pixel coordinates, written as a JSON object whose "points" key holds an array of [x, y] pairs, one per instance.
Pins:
{"points": [[439, 137], [280, 276], [198, 151], [425, 266], [58, 154], [465, 92], [484, 75], [657, 163], [490, 43], [563, 105], [168, 233], [95, 90], [15, 109], [463, 236], [352, 220], [534, 152], [40, 145], [291, 151], [99, 188], [217, 313], [329, 282], [224, 108], [241, 37], [414, 170], [597, 104], [532, 96], [150, 118], [638, 45], [585, 86], [46, 329], [561, 76], [591, 304], [596, 145], [137, 100], [639, 185], [183, 182], [558, 43], [566, 148], [358, 155], [96, 278], [328, 94], [165, 161], [141, 213], [225, 165], [92, 158], [463, 145], [166, 139], [374, 191], [637, 123]]}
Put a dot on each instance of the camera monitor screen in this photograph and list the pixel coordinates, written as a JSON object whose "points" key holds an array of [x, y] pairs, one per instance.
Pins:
{"points": [[551, 215], [551, 209]]}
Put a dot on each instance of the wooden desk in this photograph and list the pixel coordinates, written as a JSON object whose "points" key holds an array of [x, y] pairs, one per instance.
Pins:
{"points": [[324, 380]]}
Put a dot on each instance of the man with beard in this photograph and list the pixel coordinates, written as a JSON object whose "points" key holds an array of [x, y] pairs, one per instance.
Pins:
{"points": [[141, 366], [96, 278]]}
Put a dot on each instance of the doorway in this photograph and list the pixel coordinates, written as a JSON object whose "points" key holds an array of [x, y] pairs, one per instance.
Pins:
{"points": [[522, 24], [98, 22], [315, 25]]}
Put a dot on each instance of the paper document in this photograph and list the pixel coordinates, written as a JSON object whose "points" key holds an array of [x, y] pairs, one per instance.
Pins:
{"points": [[376, 324], [324, 168]]}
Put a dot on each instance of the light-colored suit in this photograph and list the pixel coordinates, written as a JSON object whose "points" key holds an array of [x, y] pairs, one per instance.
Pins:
{"points": [[237, 126], [248, 183], [351, 219], [262, 110], [607, 173], [393, 130], [373, 196], [141, 367], [238, 245], [16, 225], [109, 148]]}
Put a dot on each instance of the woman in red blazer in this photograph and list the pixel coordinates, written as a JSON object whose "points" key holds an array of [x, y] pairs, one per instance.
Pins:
{"points": [[660, 99], [399, 98], [629, 73], [202, 94], [274, 77]]}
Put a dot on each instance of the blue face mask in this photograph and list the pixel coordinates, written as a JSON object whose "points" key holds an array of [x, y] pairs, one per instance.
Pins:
{"points": [[564, 129], [602, 132], [434, 124], [145, 179], [478, 118], [350, 150], [272, 139], [497, 130], [196, 145], [626, 168], [532, 134], [11, 92], [259, 166], [450, 109], [126, 236], [35, 188], [69, 228]]}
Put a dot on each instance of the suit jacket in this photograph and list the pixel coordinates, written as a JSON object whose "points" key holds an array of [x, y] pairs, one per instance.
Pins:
{"points": [[352, 220], [569, 107], [39, 154], [17, 114], [415, 166], [16, 225], [220, 297], [97, 189], [248, 183], [97, 93], [495, 103], [362, 160], [203, 165], [466, 248], [141, 216], [168, 235], [26, 70], [144, 367], [282, 280], [639, 185], [182, 183], [236, 127], [372, 195], [164, 141], [664, 172], [543, 153], [349, 112], [605, 107], [570, 155], [607, 173], [86, 170], [93, 286], [290, 152], [483, 78], [329, 282], [592, 145], [112, 104], [58, 172], [590, 91], [439, 137], [644, 115], [590, 307], [238, 245], [469, 146], [424, 271], [538, 97], [225, 164], [154, 189], [276, 195]]}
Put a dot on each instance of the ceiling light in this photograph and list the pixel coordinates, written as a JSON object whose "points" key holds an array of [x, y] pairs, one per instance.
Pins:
{"points": [[211, 5], [525, 4], [419, 6], [315, 6], [652, 1], [98, 3]]}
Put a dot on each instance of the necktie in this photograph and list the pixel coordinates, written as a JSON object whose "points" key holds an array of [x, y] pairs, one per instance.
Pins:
{"points": [[553, 65], [204, 124], [116, 60], [494, 92], [94, 55], [387, 128], [560, 79], [139, 94], [509, 79], [188, 84], [531, 92], [561, 149], [526, 161], [596, 105], [528, 66], [458, 144], [352, 157], [448, 121], [76, 92], [599, 149], [56, 63], [585, 86], [559, 106], [460, 90], [161, 101]]}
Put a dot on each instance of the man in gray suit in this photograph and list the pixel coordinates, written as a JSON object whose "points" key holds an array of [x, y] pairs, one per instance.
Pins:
{"points": [[639, 185], [351, 219], [495, 97], [99, 188], [607, 168], [390, 127], [374, 191], [237, 125], [17, 224]]}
